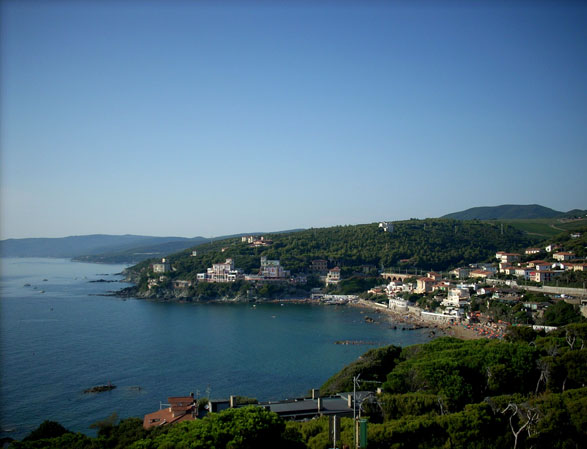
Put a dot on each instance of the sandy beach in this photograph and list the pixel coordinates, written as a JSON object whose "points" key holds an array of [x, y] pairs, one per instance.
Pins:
{"points": [[440, 329]]}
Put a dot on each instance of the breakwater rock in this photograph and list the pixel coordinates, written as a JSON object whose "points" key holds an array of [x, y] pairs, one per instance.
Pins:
{"points": [[100, 388]]}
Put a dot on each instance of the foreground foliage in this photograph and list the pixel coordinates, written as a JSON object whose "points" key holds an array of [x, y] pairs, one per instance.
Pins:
{"points": [[527, 392]]}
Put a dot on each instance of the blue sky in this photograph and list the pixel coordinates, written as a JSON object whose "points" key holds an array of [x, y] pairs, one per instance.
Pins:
{"points": [[202, 118]]}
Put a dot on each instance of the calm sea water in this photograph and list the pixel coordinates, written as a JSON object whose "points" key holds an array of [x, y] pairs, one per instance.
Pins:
{"points": [[57, 343]]}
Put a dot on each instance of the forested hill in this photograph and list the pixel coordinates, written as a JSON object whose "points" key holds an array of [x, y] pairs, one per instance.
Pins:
{"points": [[514, 212], [505, 212], [428, 244]]}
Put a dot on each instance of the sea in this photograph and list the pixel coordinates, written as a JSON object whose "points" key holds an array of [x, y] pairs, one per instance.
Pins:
{"points": [[60, 333]]}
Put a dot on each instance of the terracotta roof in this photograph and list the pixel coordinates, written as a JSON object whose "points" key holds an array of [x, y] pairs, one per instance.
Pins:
{"points": [[164, 417], [187, 399]]}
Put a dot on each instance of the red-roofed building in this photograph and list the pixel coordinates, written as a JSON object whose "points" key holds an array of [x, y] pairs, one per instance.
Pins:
{"points": [[183, 408], [507, 257], [424, 285], [563, 256], [333, 276], [544, 275], [483, 274]]}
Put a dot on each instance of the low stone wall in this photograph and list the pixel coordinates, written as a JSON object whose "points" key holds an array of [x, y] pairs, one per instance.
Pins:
{"points": [[557, 290]]}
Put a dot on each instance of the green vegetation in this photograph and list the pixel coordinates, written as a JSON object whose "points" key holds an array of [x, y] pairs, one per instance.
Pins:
{"points": [[372, 366], [576, 245], [547, 228], [526, 392]]}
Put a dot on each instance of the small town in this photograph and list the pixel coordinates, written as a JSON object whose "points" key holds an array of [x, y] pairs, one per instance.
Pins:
{"points": [[293, 224], [476, 301]]}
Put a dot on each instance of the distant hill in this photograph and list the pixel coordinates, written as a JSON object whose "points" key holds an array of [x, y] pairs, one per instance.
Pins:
{"points": [[106, 248], [85, 245], [509, 212], [137, 254]]}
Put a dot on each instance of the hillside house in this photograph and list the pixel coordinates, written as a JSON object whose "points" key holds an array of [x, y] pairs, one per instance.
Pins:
{"points": [[523, 272], [221, 272], [457, 297], [424, 285], [544, 275], [333, 276], [507, 257], [180, 409], [163, 267], [563, 256], [272, 269], [319, 266], [542, 266], [481, 274], [461, 273]]}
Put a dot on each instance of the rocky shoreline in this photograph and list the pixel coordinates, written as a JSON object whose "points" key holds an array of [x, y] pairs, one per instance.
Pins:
{"points": [[404, 321]]}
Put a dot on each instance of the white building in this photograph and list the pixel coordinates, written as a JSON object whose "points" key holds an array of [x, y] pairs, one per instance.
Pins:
{"points": [[162, 267], [398, 303], [272, 269], [333, 276], [563, 256], [461, 273], [523, 272], [221, 272], [457, 297]]}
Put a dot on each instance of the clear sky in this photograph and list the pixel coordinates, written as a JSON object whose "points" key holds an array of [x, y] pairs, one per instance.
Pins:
{"points": [[211, 118]]}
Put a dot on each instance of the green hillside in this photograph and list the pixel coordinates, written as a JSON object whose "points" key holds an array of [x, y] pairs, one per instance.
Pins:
{"points": [[546, 227], [506, 211], [427, 244]]}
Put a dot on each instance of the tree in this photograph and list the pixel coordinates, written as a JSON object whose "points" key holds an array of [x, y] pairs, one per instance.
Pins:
{"points": [[47, 429], [561, 313]]}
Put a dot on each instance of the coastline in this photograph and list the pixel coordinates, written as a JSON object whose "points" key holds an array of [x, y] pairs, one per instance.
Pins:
{"points": [[440, 329], [403, 317]]}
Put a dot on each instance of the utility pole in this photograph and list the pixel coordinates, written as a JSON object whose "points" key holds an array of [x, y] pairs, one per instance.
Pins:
{"points": [[355, 381]]}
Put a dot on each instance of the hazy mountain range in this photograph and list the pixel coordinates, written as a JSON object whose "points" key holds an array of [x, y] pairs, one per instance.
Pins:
{"points": [[104, 248]]}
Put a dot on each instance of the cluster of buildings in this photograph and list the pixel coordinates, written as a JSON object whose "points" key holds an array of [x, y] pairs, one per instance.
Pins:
{"points": [[221, 272], [256, 241], [226, 272], [188, 408], [539, 270], [269, 271], [454, 292]]}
